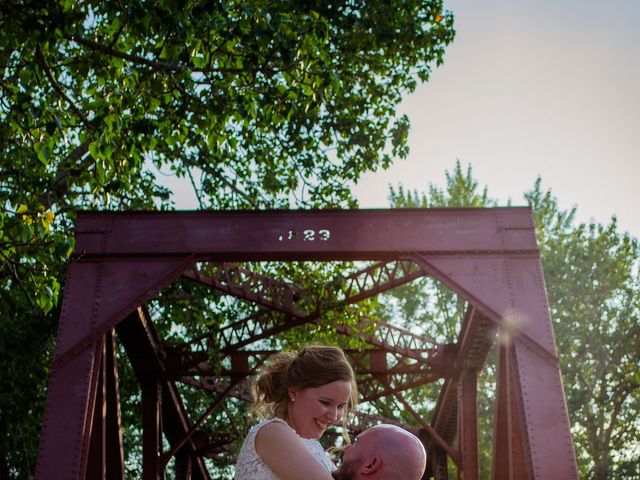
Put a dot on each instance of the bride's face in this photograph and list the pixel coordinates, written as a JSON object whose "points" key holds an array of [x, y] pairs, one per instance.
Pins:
{"points": [[314, 409]]}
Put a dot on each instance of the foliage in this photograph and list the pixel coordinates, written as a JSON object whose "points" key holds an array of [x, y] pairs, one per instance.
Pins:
{"points": [[257, 104], [593, 284]]}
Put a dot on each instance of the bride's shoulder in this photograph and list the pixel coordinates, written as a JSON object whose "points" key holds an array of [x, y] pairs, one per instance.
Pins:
{"points": [[274, 429], [270, 423]]}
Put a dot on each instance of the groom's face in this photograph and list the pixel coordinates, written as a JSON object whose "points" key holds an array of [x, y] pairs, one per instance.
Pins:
{"points": [[354, 456], [347, 471]]}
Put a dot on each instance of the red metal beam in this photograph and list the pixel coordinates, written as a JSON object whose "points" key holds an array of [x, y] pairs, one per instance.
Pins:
{"points": [[305, 235], [502, 453], [468, 423], [375, 380], [476, 337], [510, 459], [151, 428], [369, 281], [142, 346], [106, 455], [97, 461], [180, 362], [522, 313], [397, 340], [251, 286], [282, 296], [359, 285], [114, 446]]}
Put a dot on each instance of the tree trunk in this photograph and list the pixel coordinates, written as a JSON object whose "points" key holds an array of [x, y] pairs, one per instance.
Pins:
{"points": [[601, 470]]}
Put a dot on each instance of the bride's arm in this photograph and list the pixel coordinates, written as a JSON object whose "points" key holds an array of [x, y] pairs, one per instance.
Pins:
{"points": [[285, 454]]}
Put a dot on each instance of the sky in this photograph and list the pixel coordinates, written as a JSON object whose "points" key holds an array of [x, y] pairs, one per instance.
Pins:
{"points": [[532, 88]]}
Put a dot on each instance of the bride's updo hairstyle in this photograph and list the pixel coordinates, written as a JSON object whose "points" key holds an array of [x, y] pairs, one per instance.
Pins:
{"points": [[311, 367]]}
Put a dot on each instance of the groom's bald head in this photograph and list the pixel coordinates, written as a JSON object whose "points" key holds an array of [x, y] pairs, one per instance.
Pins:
{"points": [[383, 452]]}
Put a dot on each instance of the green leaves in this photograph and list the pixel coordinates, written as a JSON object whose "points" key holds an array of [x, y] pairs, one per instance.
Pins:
{"points": [[264, 104], [43, 151]]}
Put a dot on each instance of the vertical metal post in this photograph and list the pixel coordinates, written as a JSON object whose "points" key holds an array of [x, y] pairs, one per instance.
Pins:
{"points": [[113, 438], [71, 396], [501, 466], [151, 429], [439, 464], [184, 465], [510, 459], [468, 423], [96, 461], [519, 448], [378, 363]]}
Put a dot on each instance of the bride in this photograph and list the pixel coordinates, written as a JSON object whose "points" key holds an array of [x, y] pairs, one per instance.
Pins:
{"points": [[298, 396]]}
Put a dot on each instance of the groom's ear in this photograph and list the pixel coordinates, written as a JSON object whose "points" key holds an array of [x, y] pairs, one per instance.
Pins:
{"points": [[371, 466]]}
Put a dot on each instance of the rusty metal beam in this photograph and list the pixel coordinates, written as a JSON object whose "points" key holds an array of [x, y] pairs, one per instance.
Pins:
{"points": [[377, 278], [522, 313], [369, 281], [433, 434], [114, 444], [249, 286], [180, 362], [476, 337], [151, 428], [97, 461], [397, 340], [375, 380], [106, 455], [142, 346], [468, 423], [281, 296], [241, 391], [177, 446], [510, 461], [304, 235]]}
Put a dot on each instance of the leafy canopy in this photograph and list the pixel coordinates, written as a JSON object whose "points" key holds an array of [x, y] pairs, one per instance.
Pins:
{"points": [[260, 104], [257, 104]]}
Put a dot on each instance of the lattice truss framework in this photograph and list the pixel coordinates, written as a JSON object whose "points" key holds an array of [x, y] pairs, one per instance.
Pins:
{"points": [[122, 261]]}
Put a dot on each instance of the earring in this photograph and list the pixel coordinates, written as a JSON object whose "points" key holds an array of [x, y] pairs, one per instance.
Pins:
{"points": [[293, 399]]}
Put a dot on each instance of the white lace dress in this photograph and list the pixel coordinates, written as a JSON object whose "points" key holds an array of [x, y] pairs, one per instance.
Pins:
{"points": [[251, 467]]}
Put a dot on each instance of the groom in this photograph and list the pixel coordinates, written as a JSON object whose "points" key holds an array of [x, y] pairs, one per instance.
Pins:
{"points": [[383, 452]]}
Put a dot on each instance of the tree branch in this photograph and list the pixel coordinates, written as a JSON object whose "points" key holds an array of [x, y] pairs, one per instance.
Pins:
{"points": [[157, 64], [60, 185], [54, 83], [170, 66]]}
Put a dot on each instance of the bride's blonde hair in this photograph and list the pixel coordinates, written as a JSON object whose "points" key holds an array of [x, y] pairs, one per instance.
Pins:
{"points": [[313, 366]]}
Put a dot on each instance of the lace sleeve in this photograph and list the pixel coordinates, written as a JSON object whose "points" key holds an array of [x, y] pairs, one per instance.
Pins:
{"points": [[251, 467]]}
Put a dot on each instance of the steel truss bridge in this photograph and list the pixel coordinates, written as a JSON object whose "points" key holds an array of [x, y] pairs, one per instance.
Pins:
{"points": [[488, 257]]}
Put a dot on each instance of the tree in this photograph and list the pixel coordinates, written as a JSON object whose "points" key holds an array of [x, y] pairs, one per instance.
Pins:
{"points": [[591, 272], [593, 283], [257, 104]]}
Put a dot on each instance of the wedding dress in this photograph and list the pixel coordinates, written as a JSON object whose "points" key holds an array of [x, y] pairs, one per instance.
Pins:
{"points": [[250, 467]]}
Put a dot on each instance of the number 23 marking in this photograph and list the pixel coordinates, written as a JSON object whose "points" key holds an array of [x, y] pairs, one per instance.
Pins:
{"points": [[308, 235]]}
